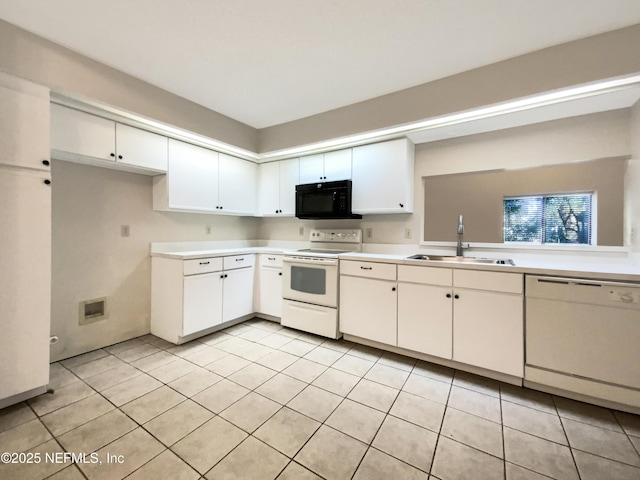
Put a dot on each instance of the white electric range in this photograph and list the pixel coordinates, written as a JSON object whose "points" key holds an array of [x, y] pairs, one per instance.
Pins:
{"points": [[310, 281]]}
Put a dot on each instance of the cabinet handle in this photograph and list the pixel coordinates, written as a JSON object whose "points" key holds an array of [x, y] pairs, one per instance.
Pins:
{"points": [[271, 258], [112, 155], [280, 273], [456, 296], [45, 162], [120, 157], [401, 205], [366, 268], [225, 275], [393, 289], [47, 182], [217, 207], [205, 263], [239, 259], [221, 276], [448, 295]]}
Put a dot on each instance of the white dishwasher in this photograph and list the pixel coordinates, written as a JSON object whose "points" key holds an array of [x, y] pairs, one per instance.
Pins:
{"points": [[584, 336]]}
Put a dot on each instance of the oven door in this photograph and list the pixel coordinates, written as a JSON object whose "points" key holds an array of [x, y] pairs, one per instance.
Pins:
{"points": [[310, 280]]}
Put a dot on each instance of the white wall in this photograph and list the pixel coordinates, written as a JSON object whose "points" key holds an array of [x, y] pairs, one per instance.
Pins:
{"points": [[586, 137], [91, 259]]}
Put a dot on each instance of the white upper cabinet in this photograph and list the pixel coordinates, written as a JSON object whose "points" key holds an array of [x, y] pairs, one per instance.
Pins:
{"points": [[312, 168], [78, 133], [326, 167], [277, 187], [138, 148], [237, 181], [202, 180], [192, 178], [337, 165], [383, 177], [24, 117], [80, 137], [269, 188]]}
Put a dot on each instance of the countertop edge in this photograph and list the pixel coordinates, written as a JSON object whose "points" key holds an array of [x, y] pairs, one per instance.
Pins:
{"points": [[596, 272], [602, 273]]}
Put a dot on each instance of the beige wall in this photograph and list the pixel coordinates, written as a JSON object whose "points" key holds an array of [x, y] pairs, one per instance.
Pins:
{"points": [[34, 58], [602, 56], [479, 197], [632, 184], [587, 137], [92, 260]]}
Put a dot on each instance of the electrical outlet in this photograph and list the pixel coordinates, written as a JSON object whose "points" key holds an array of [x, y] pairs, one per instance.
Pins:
{"points": [[301, 231], [369, 232], [407, 233], [207, 229], [124, 230]]}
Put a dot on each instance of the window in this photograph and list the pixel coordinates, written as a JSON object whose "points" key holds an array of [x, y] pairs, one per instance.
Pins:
{"points": [[548, 219]]}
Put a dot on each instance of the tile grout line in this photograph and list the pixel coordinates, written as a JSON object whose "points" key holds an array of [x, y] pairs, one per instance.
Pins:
{"points": [[378, 361]]}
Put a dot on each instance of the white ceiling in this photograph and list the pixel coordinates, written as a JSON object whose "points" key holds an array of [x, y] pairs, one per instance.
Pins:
{"points": [[268, 62]]}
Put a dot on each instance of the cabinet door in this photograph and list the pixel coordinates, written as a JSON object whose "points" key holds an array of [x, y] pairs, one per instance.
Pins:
{"points": [[312, 168], [425, 319], [289, 178], [24, 129], [82, 134], [383, 177], [368, 308], [237, 185], [238, 293], [488, 331], [270, 292], [202, 302], [337, 165], [141, 149], [193, 177], [25, 276], [269, 188]]}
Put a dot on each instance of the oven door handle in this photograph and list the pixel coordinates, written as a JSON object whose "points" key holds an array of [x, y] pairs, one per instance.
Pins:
{"points": [[320, 262]]}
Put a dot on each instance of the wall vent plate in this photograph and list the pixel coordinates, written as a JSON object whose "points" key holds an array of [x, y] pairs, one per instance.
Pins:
{"points": [[93, 310]]}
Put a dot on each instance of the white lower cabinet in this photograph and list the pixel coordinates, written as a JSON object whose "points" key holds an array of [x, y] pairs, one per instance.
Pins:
{"points": [[488, 331], [269, 291], [425, 319], [202, 302], [191, 296], [237, 298], [425, 310], [368, 301], [469, 316]]}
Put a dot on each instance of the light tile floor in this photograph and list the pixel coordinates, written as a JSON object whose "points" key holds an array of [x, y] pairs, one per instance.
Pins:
{"points": [[258, 401]]}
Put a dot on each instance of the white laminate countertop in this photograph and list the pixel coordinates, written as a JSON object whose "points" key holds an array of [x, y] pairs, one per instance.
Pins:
{"points": [[599, 271], [218, 252]]}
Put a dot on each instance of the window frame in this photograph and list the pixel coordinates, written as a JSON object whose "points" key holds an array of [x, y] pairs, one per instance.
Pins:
{"points": [[592, 222]]}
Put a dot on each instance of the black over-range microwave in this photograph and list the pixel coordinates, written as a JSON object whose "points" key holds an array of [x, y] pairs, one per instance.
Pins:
{"points": [[324, 200]]}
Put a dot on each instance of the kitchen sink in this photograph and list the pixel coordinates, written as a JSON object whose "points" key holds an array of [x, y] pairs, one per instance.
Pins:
{"points": [[455, 259]]}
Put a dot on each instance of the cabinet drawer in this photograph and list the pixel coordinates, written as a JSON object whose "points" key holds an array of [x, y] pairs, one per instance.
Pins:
{"points": [[427, 275], [383, 271], [268, 260], [238, 261], [493, 281], [202, 265]]}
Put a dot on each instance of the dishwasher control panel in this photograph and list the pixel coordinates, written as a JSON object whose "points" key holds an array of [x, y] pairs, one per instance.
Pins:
{"points": [[624, 296]]}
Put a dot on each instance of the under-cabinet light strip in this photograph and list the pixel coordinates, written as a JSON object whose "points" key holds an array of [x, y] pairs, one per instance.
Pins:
{"points": [[513, 106], [527, 103]]}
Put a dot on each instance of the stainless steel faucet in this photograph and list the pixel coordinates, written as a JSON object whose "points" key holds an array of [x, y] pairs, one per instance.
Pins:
{"points": [[460, 234]]}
